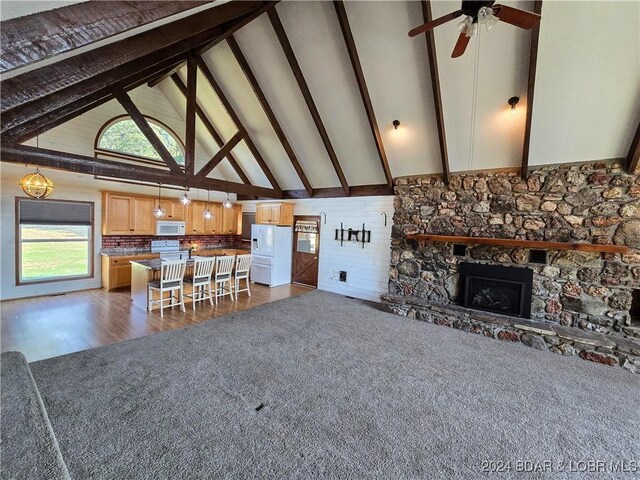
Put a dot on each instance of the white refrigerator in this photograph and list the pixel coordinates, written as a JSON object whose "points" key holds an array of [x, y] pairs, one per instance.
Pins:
{"points": [[271, 248]]}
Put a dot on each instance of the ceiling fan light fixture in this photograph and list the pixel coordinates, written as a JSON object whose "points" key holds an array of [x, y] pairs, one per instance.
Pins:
{"points": [[465, 25], [487, 18]]}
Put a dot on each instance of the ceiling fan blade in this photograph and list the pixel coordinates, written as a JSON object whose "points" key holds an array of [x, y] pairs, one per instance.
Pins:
{"points": [[514, 16], [434, 23], [461, 45]]}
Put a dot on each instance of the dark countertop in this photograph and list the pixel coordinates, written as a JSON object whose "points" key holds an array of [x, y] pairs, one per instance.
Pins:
{"points": [[131, 252], [155, 263]]}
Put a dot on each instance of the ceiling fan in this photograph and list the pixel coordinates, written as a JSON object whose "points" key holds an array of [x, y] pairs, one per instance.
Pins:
{"points": [[478, 12]]}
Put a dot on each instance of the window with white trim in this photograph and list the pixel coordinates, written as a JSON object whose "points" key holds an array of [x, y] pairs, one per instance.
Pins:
{"points": [[54, 240]]}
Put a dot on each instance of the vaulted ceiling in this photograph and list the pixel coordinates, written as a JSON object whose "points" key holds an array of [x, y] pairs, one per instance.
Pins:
{"points": [[585, 103]]}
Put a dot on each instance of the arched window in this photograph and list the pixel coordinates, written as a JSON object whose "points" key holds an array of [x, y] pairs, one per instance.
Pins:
{"points": [[121, 137]]}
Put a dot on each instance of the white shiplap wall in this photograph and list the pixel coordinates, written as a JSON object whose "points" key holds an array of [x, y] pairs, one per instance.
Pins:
{"points": [[367, 269]]}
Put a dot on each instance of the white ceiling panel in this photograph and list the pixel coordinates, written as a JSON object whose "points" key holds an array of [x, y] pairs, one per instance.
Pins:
{"points": [[397, 72], [269, 64], [316, 38], [587, 90], [238, 91]]}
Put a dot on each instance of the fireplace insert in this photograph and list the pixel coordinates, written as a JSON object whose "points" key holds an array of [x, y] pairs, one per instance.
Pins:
{"points": [[495, 288]]}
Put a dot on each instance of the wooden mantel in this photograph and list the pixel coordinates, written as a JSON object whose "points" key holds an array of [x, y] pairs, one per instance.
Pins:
{"points": [[508, 242]]}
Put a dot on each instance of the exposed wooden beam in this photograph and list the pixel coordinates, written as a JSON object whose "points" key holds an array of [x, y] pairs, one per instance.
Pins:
{"points": [[53, 86], [32, 38], [41, 157], [350, 43], [146, 130], [355, 191], [236, 120], [212, 131], [633, 157], [57, 117], [190, 127], [219, 156], [244, 65], [248, 18], [531, 82], [427, 16], [159, 78], [306, 93]]}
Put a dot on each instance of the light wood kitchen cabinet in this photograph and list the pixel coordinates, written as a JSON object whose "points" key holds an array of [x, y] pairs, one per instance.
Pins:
{"points": [[232, 220], [195, 218], [116, 271], [174, 210], [214, 226], [275, 213], [127, 214]]}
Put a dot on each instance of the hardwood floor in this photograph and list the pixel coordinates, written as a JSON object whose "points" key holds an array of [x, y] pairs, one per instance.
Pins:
{"points": [[45, 327]]}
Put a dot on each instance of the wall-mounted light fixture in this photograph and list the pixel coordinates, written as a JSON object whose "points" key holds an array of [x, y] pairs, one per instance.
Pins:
{"points": [[513, 101], [396, 124]]}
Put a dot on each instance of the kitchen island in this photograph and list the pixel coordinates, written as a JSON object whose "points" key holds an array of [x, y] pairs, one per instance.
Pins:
{"points": [[145, 271]]}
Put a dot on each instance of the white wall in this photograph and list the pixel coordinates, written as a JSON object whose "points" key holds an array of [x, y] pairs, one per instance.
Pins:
{"points": [[68, 186], [367, 269]]}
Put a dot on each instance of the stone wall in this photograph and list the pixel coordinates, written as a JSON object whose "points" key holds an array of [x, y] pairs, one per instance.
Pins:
{"points": [[593, 202]]}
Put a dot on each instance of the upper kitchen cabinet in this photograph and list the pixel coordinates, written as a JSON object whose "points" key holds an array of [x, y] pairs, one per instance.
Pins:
{"points": [[174, 210], [195, 218], [124, 214], [215, 224], [232, 220], [280, 213]]}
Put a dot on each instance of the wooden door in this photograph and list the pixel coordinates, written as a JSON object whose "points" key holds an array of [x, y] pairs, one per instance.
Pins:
{"points": [[144, 223], [117, 215], [306, 252]]}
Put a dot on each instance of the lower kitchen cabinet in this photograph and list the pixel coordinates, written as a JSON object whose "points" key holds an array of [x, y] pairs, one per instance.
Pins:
{"points": [[116, 271]]}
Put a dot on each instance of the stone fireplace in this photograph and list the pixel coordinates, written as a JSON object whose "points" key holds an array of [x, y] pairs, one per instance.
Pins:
{"points": [[496, 288], [581, 301]]}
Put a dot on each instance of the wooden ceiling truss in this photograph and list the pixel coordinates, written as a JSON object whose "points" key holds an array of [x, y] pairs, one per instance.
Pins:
{"points": [[33, 104], [531, 82], [427, 16]]}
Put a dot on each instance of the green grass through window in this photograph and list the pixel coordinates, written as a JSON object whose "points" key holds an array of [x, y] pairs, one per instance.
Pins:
{"points": [[52, 258]]}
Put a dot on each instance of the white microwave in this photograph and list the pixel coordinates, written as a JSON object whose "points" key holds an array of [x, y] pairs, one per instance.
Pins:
{"points": [[170, 228]]}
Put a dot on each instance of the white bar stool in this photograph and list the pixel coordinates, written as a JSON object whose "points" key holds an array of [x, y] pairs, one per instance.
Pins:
{"points": [[222, 276], [243, 265], [201, 280], [171, 275]]}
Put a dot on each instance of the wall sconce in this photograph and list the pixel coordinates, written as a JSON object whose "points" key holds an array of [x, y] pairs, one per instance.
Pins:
{"points": [[396, 124], [513, 101]]}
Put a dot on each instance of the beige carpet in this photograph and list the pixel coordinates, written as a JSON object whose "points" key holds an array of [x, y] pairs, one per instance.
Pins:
{"points": [[320, 386]]}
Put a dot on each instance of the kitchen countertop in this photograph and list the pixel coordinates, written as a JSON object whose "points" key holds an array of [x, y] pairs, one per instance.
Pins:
{"points": [[155, 263], [131, 252]]}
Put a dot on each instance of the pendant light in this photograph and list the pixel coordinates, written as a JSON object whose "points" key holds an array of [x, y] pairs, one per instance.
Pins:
{"points": [[227, 203], [207, 214], [158, 211], [185, 200], [35, 184]]}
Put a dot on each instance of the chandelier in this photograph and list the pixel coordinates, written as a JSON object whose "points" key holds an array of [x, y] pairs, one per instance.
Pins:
{"points": [[36, 185], [227, 203]]}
